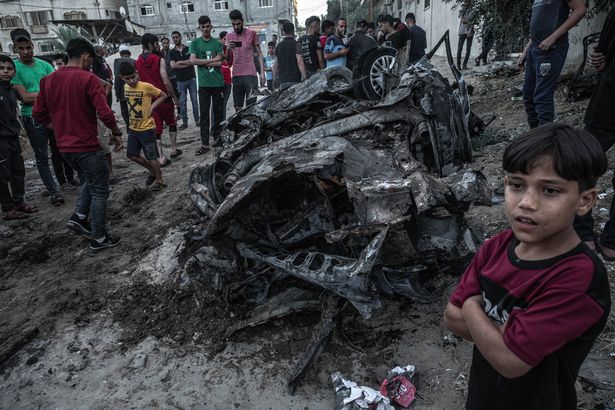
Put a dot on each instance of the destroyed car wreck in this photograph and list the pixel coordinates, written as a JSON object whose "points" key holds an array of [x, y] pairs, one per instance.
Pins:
{"points": [[319, 189]]}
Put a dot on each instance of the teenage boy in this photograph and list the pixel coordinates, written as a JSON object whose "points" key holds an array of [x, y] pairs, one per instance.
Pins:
{"points": [[179, 59], [326, 29], [288, 65], [12, 170], [226, 74], [358, 44], [535, 297], [103, 71], [309, 47], [242, 43], [143, 99], [269, 64], [153, 69], [335, 47], [418, 39], [75, 92], [396, 39], [207, 54], [545, 55], [29, 71], [118, 84], [60, 60]]}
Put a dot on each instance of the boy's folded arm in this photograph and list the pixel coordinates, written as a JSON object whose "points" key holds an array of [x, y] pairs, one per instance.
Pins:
{"points": [[453, 320], [490, 342]]}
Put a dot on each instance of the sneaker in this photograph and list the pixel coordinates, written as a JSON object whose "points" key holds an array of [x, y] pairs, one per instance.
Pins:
{"points": [[108, 242], [81, 226], [183, 126]]}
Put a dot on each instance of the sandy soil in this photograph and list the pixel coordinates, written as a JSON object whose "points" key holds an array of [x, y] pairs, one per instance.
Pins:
{"points": [[121, 329]]}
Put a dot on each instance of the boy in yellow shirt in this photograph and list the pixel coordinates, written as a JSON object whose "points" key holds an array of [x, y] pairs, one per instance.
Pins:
{"points": [[142, 99]]}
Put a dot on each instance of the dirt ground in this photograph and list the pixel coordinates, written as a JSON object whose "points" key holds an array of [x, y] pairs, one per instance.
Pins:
{"points": [[121, 329]]}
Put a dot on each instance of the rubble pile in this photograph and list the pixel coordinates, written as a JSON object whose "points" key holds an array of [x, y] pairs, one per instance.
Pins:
{"points": [[319, 190]]}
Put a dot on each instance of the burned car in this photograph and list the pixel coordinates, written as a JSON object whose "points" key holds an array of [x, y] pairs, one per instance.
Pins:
{"points": [[364, 198]]}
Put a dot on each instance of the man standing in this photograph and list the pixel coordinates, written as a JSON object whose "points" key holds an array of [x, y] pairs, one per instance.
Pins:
{"points": [[242, 43], [326, 29], [274, 38], [102, 70], [74, 91], [418, 39], [166, 54], [28, 74], [119, 84], [545, 55], [207, 54], [269, 64], [466, 33], [309, 47], [396, 39], [288, 65], [153, 69], [335, 47], [359, 44], [179, 58], [226, 74]]}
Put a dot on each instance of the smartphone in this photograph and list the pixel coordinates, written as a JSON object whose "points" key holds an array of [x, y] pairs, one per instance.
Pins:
{"points": [[237, 44]]}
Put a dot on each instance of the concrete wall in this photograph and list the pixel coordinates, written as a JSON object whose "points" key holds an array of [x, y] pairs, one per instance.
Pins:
{"points": [[440, 16], [264, 20]]}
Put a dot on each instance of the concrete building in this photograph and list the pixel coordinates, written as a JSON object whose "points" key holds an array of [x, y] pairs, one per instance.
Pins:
{"points": [[161, 17], [436, 16], [99, 20]]}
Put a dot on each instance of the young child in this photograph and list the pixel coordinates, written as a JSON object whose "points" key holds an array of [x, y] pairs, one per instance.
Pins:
{"points": [[535, 297], [12, 170], [142, 99]]}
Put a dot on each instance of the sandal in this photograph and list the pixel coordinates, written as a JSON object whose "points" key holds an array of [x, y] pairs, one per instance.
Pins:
{"points": [[14, 214], [26, 209], [202, 150], [6, 232], [178, 152], [157, 186], [166, 163], [57, 199]]}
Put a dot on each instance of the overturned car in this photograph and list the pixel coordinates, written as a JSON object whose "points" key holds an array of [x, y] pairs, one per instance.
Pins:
{"points": [[363, 198]]}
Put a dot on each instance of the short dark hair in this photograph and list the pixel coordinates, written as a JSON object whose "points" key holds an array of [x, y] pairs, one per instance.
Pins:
{"points": [[235, 15], [6, 59], [288, 28], [362, 24], [271, 44], [274, 35], [78, 46], [396, 20], [577, 155], [127, 68], [223, 34], [337, 20], [148, 39], [176, 32], [410, 16], [371, 25], [62, 56], [204, 20], [165, 38], [326, 24], [310, 20], [125, 53], [385, 18]]}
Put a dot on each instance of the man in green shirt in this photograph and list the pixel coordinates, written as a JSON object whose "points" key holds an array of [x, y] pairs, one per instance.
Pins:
{"points": [[28, 74], [206, 53]]}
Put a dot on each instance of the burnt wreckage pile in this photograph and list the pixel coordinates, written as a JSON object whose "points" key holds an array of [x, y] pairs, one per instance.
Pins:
{"points": [[365, 199]]}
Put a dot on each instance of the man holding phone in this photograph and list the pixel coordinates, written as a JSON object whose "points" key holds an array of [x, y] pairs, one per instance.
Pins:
{"points": [[242, 43]]}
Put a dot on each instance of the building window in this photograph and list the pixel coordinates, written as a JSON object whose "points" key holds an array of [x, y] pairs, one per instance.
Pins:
{"points": [[265, 3], [147, 10], [75, 15], [186, 7], [427, 4], [38, 18], [10, 22], [169, 5], [46, 47], [220, 5]]}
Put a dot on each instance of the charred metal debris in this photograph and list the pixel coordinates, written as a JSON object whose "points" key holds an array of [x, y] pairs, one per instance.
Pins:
{"points": [[323, 199]]}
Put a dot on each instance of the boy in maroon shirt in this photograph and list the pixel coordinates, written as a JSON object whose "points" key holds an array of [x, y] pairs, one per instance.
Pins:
{"points": [[69, 101], [535, 297]]}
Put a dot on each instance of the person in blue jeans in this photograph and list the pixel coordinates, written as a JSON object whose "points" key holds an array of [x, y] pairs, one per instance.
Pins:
{"points": [[186, 79], [545, 55], [29, 72]]}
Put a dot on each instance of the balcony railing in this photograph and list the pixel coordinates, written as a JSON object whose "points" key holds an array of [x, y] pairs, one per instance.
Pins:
{"points": [[39, 29]]}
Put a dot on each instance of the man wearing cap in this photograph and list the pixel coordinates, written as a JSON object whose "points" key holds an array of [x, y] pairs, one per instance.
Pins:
{"points": [[358, 44], [119, 84], [29, 72]]}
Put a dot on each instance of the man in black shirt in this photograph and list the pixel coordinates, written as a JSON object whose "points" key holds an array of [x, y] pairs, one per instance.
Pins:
{"points": [[418, 39], [179, 59], [395, 39], [310, 48], [119, 84], [358, 44], [102, 69], [289, 61]]}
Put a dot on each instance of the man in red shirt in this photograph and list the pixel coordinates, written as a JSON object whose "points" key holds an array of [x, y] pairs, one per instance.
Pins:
{"points": [[69, 101], [153, 69]]}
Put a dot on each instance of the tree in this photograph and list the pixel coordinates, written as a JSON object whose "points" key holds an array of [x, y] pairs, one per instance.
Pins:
{"points": [[351, 10], [65, 34]]}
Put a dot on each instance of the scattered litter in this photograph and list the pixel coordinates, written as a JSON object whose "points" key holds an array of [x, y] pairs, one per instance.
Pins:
{"points": [[399, 385], [351, 396]]}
